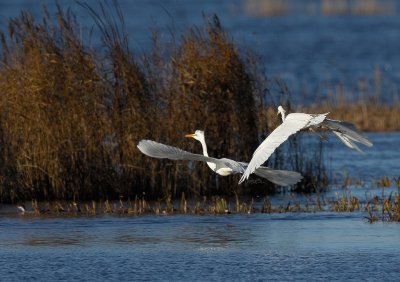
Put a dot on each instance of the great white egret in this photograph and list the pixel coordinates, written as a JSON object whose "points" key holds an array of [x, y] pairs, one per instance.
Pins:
{"points": [[222, 166], [295, 122]]}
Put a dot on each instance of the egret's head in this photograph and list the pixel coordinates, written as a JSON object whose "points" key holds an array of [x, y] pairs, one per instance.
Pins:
{"points": [[198, 135], [281, 110]]}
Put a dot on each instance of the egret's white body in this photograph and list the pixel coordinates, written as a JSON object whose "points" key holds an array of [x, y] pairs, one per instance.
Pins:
{"points": [[21, 208], [224, 171], [295, 122], [222, 166]]}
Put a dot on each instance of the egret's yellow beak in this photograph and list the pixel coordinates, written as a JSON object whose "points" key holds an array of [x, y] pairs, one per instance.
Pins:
{"points": [[278, 113], [190, 135]]}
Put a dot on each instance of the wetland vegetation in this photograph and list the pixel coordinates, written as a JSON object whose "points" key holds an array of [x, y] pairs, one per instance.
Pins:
{"points": [[78, 201], [375, 207], [72, 113]]}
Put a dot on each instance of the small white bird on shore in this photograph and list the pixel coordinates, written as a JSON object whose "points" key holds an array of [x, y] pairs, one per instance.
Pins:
{"points": [[21, 208]]}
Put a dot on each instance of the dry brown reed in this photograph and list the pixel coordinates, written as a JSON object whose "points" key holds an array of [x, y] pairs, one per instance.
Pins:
{"points": [[210, 87], [267, 8], [345, 203], [51, 115], [71, 116], [273, 8]]}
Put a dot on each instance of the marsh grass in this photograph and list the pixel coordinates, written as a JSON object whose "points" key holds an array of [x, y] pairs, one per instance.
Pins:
{"points": [[376, 208], [345, 203], [71, 117], [52, 120]]}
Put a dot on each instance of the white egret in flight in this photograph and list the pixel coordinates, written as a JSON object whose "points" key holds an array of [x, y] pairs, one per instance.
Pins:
{"points": [[222, 166], [295, 122]]}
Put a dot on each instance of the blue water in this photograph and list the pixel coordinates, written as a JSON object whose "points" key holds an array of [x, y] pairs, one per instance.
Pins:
{"points": [[311, 51], [259, 247], [380, 160], [303, 246]]}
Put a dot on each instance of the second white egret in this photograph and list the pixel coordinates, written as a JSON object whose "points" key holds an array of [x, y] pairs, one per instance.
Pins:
{"points": [[295, 122]]}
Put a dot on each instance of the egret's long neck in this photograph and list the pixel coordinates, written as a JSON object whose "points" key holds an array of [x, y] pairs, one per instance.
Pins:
{"points": [[283, 115], [205, 153], [204, 145]]}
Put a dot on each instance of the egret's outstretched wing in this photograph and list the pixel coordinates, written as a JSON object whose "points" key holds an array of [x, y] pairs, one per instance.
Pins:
{"points": [[162, 151], [347, 131], [279, 177], [347, 141], [292, 124]]}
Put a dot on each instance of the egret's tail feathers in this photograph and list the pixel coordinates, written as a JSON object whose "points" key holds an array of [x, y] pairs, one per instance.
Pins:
{"points": [[279, 177], [347, 133]]}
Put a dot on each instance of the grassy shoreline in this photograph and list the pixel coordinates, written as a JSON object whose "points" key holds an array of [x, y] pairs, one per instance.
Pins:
{"points": [[375, 208]]}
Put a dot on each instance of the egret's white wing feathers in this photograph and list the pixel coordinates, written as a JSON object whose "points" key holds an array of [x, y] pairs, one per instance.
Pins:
{"points": [[347, 141], [295, 122], [162, 151], [292, 124], [348, 131], [280, 177]]}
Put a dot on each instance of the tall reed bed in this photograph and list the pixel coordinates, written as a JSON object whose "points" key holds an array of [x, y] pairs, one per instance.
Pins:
{"points": [[71, 115]]}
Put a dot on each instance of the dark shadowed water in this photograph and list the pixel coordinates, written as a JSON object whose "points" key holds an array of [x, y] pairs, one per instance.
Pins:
{"points": [[322, 246], [315, 52]]}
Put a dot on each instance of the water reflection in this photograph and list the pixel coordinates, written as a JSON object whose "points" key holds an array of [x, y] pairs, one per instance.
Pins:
{"points": [[236, 247], [213, 235], [130, 239], [53, 241]]}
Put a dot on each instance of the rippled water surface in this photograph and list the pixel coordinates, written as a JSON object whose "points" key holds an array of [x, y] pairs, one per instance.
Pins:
{"points": [[278, 247], [308, 51], [281, 247], [303, 246]]}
